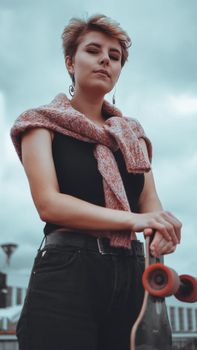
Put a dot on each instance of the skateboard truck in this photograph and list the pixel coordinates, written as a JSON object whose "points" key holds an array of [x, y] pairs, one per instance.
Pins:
{"points": [[162, 281], [151, 329]]}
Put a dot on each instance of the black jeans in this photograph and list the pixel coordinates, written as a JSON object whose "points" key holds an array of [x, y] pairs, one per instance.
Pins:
{"points": [[79, 299]]}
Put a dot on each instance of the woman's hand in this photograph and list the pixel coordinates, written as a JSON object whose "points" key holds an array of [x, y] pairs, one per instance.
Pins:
{"points": [[159, 245], [162, 221]]}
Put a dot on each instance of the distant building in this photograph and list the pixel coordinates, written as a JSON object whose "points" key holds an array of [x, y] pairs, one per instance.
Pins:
{"points": [[183, 319], [17, 285], [183, 316]]}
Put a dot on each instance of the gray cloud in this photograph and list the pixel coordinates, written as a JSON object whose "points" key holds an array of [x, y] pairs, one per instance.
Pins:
{"points": [[163, 53], [162, 64]]}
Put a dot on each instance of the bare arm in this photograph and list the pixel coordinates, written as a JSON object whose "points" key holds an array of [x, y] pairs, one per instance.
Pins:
{"points": [[56, 207], [71, 212], [149, 202]]}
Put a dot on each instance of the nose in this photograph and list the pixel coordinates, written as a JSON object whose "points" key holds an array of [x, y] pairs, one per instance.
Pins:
{"points": [[105, 59]]}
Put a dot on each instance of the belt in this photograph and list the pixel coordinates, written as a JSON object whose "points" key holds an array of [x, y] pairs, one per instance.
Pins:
{"points": [[65, 238]]}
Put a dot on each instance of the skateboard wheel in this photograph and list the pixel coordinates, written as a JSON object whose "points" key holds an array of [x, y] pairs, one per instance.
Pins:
{"points": [[187, 291], [160, 281]]}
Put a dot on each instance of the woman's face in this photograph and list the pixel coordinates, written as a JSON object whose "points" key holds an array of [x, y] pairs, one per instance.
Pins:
{"points": [[97, 63]]}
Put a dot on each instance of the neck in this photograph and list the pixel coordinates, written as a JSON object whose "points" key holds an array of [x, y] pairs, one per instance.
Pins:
{"points": [[90, 106]]}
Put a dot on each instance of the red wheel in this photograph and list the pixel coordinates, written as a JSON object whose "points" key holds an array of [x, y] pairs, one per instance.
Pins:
{"points": [[188, 289], [160, 280]]}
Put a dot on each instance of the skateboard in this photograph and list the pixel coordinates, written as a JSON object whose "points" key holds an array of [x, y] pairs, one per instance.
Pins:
{"points": [[151, 330]]}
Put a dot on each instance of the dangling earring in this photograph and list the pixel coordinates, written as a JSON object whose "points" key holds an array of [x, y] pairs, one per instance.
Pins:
{"points": [[71, 90], [114, 98], [72, 86]]}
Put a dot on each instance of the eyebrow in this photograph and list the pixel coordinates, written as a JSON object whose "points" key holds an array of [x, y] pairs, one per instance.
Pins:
{"points": [[99, 46]]}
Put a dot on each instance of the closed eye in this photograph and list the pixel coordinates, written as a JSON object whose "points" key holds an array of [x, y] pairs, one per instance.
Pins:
{"points": [[94, 52], [116, 58]]}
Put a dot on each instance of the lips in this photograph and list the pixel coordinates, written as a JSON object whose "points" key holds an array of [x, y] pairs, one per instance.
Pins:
{"points": [[103, 72]]}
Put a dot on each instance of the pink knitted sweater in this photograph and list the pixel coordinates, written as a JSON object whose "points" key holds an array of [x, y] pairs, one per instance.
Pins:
{"points": [[117, 132]]}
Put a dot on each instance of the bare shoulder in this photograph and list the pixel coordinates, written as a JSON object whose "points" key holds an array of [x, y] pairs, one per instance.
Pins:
{"points": [[37, 133], [36, 143], [36, 146], [37, 159]]}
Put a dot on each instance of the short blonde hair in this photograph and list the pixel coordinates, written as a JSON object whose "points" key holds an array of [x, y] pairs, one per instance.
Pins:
{"points": [[73, 34]]}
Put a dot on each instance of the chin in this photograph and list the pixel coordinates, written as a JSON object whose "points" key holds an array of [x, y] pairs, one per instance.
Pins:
{"points": [[100, 88]]}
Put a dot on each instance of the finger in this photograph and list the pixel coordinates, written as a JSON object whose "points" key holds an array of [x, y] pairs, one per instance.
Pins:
{"points": [[160, 246], [148, 232], [157, 238], [163, 227], [168, 248], [157, 243], [171, 231], [176, 224], [169, 251]]}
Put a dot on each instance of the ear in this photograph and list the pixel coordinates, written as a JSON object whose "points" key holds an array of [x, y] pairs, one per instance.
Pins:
{"points": [[69, 64]]}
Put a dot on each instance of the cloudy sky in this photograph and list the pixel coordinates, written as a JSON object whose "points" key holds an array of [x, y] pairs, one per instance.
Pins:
{"points": [[158, 86]]}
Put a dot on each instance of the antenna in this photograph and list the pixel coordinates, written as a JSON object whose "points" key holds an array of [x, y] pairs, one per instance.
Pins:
{"points": [[8, 249]]}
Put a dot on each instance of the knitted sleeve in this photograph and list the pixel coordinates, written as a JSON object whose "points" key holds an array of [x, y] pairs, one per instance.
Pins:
{"points": [[140, 133]]}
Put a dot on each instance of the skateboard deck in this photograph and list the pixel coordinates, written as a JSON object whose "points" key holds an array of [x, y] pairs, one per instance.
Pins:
{"points": [[152, 330]]}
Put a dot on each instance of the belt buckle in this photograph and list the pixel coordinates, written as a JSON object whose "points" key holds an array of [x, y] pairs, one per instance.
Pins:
{"points": [[100, 246]]}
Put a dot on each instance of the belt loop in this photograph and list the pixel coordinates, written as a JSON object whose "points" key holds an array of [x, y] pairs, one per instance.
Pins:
{"points": [[100, 246], [41, 243]]}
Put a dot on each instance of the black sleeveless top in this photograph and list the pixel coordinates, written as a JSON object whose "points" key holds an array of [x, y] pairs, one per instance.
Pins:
{"points": [[78, 176]]}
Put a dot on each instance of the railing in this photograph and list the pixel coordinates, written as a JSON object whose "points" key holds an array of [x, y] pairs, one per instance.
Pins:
{"points": [[8, 340]]}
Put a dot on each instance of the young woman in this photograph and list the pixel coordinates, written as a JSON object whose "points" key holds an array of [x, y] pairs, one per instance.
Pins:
{"points": [[89, 173]]}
